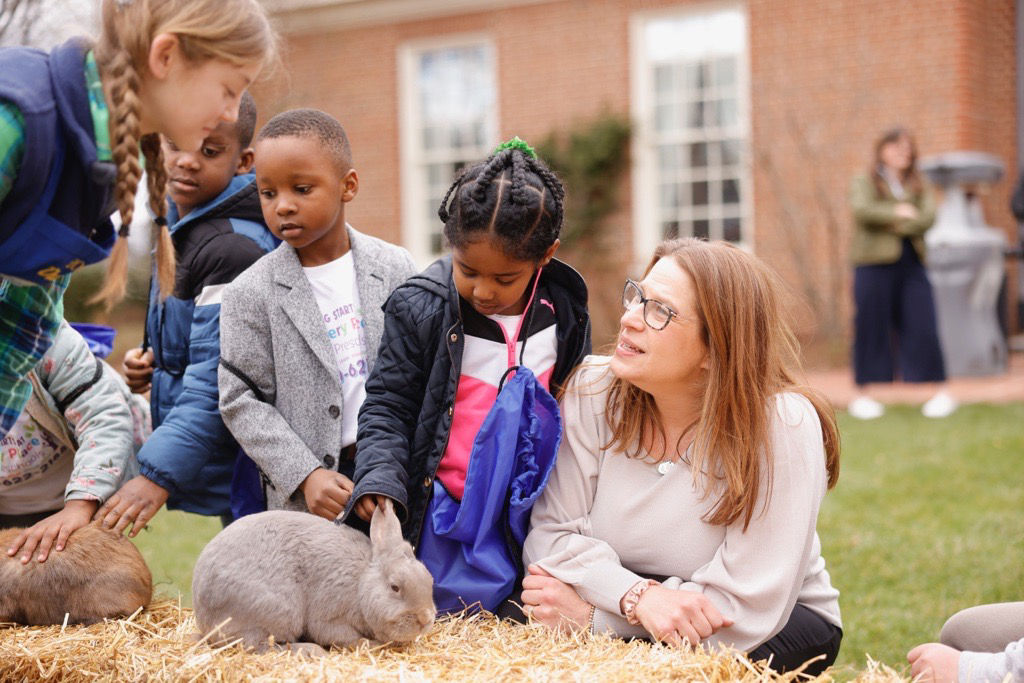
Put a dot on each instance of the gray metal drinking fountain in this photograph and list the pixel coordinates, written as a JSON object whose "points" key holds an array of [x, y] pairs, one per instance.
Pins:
{"points": [[965, 264]]}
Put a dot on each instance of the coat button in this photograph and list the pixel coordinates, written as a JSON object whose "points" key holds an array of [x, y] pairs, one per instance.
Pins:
{"points": [[335, 411], [329, 461], [451, 410], [427, 481], [454, 337]]}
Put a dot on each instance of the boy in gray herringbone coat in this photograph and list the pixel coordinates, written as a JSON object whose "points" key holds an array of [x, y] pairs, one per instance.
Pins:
{"points": [[300, 328]]}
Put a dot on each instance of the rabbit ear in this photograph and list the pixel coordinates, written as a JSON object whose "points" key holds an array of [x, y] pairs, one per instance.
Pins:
{"points": [[385, 529]]}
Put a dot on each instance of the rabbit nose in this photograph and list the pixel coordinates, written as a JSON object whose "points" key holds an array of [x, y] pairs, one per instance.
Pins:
{"points": [[425, 617]]}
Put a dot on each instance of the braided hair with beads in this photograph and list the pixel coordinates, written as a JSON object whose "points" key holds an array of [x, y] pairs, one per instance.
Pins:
{"points": [[511, 197]]}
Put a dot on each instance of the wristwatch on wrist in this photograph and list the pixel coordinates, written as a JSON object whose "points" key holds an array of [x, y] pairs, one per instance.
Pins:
{"points": [[632, 598]]}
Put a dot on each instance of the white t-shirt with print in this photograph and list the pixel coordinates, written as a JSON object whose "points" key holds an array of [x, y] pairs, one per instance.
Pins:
{"points": [[334, 286], [34, 469]]}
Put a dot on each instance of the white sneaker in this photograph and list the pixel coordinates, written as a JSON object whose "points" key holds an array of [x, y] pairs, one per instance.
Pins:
{"points": [[941, 404], [865, 408]]}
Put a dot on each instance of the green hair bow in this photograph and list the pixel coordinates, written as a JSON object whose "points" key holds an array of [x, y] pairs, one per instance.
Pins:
{"points": [[516, 143]]}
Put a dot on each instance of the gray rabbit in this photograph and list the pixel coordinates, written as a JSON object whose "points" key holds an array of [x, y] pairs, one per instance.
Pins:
{"points": [[287, 577]]}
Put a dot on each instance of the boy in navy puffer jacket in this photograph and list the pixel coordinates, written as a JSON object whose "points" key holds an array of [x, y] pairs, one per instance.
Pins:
{"points": [[218, 231]]}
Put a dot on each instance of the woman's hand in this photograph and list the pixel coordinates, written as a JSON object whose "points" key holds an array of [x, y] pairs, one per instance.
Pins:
{"points": [[934, 663], [906, 211], [673, 616], [57, 527], [553, 603], [135, 503]]}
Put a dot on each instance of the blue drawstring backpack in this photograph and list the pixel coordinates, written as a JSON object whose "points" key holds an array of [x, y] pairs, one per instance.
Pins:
{"points": [[473, 547], [100, 338]]}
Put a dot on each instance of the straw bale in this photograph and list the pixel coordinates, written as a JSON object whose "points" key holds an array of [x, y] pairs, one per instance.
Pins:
{"points": [[158, 645]]}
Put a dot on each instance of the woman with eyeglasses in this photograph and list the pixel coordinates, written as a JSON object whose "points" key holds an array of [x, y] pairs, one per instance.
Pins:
{"points": [[684, 501]]}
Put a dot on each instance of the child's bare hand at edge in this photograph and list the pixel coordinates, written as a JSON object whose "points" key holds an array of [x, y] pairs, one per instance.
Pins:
{"points": [[135, 503], [138, 369], [53, 532], [934, 663], [365, 506], [326, 492]]}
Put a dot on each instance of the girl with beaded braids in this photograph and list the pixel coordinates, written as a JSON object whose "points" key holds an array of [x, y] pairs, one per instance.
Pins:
{"points": [[73, 123], [453, 332]]}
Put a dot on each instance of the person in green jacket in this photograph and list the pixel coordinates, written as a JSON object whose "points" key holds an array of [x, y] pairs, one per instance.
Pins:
{"points": [[895, 329]]}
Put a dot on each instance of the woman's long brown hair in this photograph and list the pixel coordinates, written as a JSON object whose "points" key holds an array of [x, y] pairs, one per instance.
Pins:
{"points": [[911, 177], [752, 356]]}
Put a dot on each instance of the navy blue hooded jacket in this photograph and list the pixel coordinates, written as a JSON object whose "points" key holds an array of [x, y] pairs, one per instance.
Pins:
{"points": [[43, 237], [191, 453], [410, 394]]}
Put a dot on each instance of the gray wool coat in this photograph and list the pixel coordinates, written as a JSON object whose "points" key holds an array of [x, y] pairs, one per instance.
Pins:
{"points": [[280, 394]]}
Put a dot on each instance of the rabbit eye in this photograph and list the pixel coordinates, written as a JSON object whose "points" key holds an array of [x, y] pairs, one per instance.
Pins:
{"points": [[394, 587]]}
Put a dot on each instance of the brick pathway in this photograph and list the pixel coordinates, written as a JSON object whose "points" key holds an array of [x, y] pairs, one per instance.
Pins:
{"points": [[838, 386]]}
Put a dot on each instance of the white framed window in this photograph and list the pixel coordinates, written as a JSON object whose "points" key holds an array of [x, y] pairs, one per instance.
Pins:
{"points": [[690, 105], [448, 100]]}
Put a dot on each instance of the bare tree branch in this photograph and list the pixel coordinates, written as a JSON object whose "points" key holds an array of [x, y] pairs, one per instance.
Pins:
{"points": [[27, 22]]}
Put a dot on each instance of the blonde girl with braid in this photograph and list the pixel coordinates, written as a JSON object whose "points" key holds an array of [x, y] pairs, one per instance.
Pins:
{"points": [[73, 124]]}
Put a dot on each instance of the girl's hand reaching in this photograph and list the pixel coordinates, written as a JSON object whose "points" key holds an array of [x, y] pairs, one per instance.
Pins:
{"points": [[137, 501], [672, 616], [57, 527], [366, 505]]}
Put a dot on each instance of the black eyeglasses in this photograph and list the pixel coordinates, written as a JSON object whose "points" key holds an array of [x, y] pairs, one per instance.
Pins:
{"points": [[656, 314]]}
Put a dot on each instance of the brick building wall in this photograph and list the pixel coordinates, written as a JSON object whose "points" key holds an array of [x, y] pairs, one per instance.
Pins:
{"points": [[826, 76]]}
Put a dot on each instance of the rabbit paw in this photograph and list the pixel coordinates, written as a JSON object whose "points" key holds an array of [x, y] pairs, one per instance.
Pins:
{"points": [[305, 650]]}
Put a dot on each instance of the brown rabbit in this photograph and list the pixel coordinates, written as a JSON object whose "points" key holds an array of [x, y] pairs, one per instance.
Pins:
{"points": [[98, 575]]}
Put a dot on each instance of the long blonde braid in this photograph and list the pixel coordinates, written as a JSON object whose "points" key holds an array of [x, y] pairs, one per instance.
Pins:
{"points": [[156, 175], [123, 82]]}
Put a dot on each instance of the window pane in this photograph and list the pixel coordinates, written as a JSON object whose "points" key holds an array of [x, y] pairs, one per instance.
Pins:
{"points": [[730, 152], [701, 228], [724, 72], [691, 76], [727, 114], [663, 118], [695, 115], [731, 229], [699, 154], [670, 196], [670, 158], [669, 230], [730, 191], [663, 78], [699, 192], [429, 138]]}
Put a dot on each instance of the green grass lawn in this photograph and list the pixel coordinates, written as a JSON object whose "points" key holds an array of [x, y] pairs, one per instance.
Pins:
{"points": [[928, 518]]}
